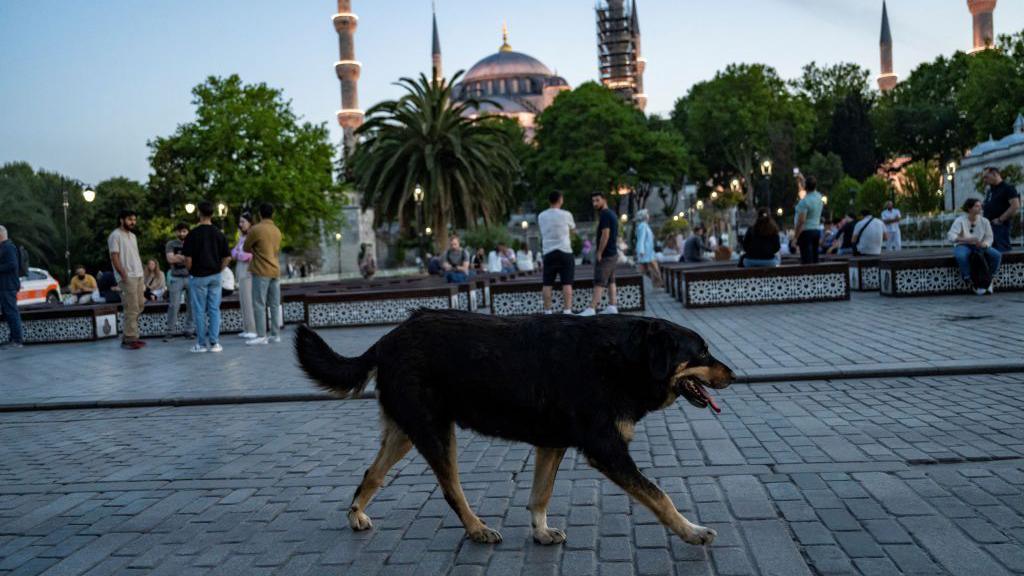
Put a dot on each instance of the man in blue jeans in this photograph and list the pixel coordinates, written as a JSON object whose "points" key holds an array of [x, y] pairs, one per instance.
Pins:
{"points": [[1002, 203], [10, 283], [808, 222], [206, 255]]}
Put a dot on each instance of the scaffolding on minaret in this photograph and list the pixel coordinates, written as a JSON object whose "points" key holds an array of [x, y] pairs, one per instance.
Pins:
{"points": [[620, 63]]}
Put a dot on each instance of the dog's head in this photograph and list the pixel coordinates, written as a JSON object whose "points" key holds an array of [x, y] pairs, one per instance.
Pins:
{"points": [[681, 357]]}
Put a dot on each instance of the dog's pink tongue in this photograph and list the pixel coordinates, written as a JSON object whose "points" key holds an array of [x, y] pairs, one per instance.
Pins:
{"points": [[711, 401]]}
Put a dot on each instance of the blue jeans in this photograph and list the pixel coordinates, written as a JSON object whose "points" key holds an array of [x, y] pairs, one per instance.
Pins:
{"points": [[756, 263], [962, 253], [454, 277], [1001, 237], [808, 242], [9, 308], [205, 294]]}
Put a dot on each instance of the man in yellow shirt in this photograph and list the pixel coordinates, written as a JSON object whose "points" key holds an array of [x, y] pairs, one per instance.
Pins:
{"points": [[264, 243], [82, 286]]}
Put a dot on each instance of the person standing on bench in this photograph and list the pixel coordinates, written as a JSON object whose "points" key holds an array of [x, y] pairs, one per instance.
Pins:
{"points": [[555, 227], [606, 256], [808, 222], [1002, 203], [972, 232], [868, 235]]}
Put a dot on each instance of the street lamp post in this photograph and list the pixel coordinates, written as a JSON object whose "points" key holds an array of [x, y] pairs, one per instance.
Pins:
{"points": [[417, 196], [766, 172], [526, 233], [67, 244], [338, 237], [951, 172]]}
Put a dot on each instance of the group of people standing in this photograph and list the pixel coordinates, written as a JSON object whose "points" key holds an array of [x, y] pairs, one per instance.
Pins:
{"points": [[198, 256]]}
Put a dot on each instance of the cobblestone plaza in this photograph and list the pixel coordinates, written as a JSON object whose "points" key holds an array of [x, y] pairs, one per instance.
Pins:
{"points": [[845, 449]]}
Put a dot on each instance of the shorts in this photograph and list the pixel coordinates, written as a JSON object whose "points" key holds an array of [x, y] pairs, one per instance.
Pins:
{"points": [[561, 264], [604, 271]]}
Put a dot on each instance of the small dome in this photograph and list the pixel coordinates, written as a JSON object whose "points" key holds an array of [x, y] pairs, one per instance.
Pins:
{"points": [[506, 64]]}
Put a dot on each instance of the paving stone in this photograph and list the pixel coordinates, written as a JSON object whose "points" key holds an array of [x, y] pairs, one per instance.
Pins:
{"points": [[773, 550], [953, 550], [812, 533], [859, 545], [747, 498], [731, 561], [829, 560]]}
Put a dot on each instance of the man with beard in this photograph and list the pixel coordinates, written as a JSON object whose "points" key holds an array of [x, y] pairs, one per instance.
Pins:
{"points": [[124, 256]]}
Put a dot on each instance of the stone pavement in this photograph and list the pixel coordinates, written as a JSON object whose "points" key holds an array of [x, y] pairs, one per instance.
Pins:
{"points": [[878, 477], [868, 336]]}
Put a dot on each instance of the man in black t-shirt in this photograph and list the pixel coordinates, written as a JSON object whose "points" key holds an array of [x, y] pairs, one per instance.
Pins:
{"points": [[206, 254], [1002, 203], [606, 256]]}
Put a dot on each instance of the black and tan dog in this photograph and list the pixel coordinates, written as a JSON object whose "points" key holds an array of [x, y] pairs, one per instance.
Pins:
{"points": [[555, 381]]}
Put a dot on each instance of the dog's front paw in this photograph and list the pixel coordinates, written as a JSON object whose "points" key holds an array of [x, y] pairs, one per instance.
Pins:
{"points": [[485, 535], [700, 536], [359, 520], [549, 536]]}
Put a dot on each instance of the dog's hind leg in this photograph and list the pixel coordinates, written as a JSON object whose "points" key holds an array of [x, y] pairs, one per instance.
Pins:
{"points": [[546, 461], [394, 444], [440, 452], [610, 456]]}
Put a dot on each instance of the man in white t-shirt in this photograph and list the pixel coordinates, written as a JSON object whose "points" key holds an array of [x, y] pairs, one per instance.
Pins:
{"points": [[868, 234], [124, 257], [555, 226], [891, 218]]}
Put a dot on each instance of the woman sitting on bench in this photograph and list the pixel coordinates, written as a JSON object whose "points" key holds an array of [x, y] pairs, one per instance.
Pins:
{"points": [[972, 232], [761, 243]]}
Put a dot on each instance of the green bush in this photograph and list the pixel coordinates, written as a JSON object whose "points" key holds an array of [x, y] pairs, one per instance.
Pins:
{"points": [[874, 193], [486, 237]]}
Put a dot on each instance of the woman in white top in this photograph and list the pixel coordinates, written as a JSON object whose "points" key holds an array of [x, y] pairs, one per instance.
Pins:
{"points": [[972, 232]]}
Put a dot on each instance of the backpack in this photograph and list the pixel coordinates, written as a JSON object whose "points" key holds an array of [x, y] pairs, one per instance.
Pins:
{"points": [[981, 276], [22, 261]]}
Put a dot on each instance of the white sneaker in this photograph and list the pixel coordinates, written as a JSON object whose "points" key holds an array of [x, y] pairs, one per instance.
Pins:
{"points": [[247, 335], [257, 341], [275, 339], [197, 349], [980, 291], [587, 312], [991, 289], [567, 311], [548, 312], [610, 310], [216, 348]]}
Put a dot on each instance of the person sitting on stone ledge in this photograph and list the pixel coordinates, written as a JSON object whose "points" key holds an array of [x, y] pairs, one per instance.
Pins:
{"points": [[761, 243], [82, 286], [971, 232]]}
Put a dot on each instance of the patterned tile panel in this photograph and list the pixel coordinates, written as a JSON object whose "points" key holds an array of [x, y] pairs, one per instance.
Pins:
{"points": [[630, 298], [945, 280], [154, 324], [769, 289], [370, 312], [294, 312], [52, 330]]}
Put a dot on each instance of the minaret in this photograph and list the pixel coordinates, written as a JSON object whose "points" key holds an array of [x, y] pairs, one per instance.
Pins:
{"points": [[984, 28], [887, 80], [640, 97], [438, 73], [350, 116]]}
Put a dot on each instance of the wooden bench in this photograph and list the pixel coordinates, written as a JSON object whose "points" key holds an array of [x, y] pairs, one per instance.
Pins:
{"points": [[525, 295], [54, 323], [709, 287], [374, 308], [939, 274]]}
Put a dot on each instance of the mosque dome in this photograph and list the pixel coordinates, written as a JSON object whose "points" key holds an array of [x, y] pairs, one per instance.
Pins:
{"points": [[515, 80], [506, 64]]}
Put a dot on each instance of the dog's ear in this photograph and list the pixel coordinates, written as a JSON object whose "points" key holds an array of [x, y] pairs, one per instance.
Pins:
{"points": [[660, 352]]}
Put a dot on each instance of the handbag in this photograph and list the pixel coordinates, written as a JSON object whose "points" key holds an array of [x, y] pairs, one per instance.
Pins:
{"points": [[981, 276]]}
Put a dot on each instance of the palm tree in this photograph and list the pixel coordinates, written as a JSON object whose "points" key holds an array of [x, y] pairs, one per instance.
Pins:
{"points": [[464, 164]]}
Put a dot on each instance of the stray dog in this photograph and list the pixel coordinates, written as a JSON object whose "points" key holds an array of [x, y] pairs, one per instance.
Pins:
{"points": [[555, 381]]}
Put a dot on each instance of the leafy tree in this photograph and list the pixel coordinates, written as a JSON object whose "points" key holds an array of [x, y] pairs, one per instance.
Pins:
{"points": [[826, 88], [246, 146], [487, 237], [827, 169], [921, 184], [28, 218], [852, 135], [739, 114], [992, 94], [587, 141], [465, 165], [843, 196], [874, 193], [522, 151]]}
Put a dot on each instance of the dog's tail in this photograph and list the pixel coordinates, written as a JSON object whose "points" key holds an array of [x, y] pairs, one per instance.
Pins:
{"points": [[331, 371]]}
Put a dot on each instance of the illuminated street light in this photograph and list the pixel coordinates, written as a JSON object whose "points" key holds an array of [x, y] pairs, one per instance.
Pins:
{"points": [[766, 168], [222, 209], [824, 200], [700, 204], [417, 194], [429, 231], [89, 194], [734, 185], [779, 212], [190, 207], [624, 218], [714, 195]]}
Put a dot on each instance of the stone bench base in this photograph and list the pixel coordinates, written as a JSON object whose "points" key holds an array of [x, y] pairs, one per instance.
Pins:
{"points": [[55, 324], [702, 288], [940, 275], [864, 274], [514, 298], [379, 308]]}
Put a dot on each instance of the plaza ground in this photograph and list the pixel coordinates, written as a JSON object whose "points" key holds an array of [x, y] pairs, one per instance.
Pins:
{"points": [[804, 472]]}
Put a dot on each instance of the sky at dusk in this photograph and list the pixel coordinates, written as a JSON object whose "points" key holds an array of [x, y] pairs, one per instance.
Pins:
{"points": [[84, 85]]}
